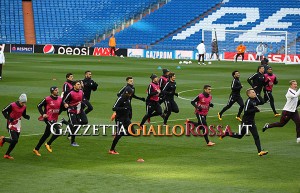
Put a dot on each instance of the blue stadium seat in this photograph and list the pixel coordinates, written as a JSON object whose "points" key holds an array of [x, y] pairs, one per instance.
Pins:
{"points": [[77, 21], [11, 20]]}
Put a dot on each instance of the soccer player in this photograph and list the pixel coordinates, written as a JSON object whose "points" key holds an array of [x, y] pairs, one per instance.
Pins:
{"points": [[289, 110], [13, 113], [265, 64], [248, 121], [73, 103], [49, 108], [257, 82], [164, 78], [169, 92], [153, 107], [162, 82], [68, 85], [130, 84], [88, 85], [268, 96], [201, 52], [202, 103], [240, 51], [235, 96], [122, 107], [264, 61]]}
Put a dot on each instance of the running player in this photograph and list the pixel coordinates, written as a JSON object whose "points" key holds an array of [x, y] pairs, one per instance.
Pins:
{"points": [[13, 113], [235, 96]]}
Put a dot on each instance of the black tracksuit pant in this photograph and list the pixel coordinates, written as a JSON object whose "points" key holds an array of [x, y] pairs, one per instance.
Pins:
{"points": [[47, 133]]}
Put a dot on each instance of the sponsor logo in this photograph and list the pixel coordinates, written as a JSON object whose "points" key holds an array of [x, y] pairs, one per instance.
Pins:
{"points": [[159, 54], [272, 57], [48, 49], [73, 50], [187, 55], [22, 48], [136, 53], [101, 52]]}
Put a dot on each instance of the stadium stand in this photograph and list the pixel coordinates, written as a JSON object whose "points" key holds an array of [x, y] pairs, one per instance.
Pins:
{"points": [[11, 22], [169, 18], [71, 22], [266, 13], [68, 22], [156, 30]]}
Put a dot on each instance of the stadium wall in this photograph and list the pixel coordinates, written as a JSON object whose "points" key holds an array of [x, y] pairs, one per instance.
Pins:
{"points": [[137, 53]]}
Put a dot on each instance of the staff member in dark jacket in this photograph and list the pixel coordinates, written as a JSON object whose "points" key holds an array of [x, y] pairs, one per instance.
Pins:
{"points": [[214, 49]]}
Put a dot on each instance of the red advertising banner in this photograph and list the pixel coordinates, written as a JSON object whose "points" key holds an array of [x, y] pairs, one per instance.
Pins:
{"points": [[102, 52], [272, 57], [106, 52]]}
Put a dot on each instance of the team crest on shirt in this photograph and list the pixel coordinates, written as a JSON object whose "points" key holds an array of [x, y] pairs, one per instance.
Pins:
{"points": [[51, 103]]}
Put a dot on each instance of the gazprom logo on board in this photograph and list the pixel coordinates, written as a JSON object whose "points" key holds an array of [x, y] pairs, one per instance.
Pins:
{"points": [[48, 49], [159, 54]]}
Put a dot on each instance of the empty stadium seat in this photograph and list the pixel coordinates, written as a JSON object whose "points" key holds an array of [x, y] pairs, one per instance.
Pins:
{"points": [[74, 22], [11, 22]]}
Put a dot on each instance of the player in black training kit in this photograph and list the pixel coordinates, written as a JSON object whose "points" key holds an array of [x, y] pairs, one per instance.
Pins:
{"points": [[88, 85], [129, 84], [235, 96], [123, 110], [248, 119], [163, 80], [169, 92], [257, 82]]}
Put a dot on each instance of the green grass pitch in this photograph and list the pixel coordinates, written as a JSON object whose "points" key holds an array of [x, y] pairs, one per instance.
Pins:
{"points": [[172, 164]]}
